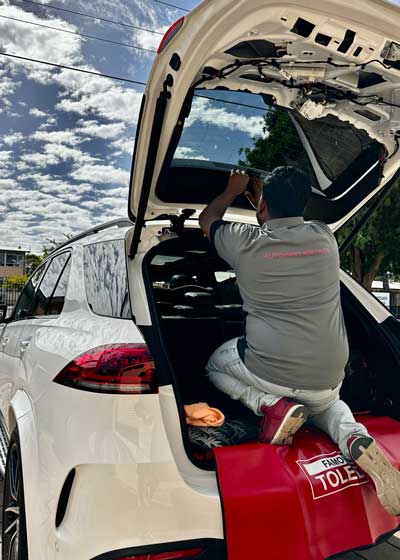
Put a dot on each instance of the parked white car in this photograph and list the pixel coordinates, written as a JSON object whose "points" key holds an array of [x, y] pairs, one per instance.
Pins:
{"points": [[110, 336]]}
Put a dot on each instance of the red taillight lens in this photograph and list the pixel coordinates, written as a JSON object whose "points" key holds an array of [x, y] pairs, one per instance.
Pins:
{"points": [[177, 554], [113, 368], [170, 34]]}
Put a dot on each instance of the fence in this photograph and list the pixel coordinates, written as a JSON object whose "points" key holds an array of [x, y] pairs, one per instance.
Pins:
{"points": [[9, 292]]}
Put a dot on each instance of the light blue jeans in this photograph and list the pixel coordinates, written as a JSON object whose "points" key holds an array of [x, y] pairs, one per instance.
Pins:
{"points": [[326, 411]]}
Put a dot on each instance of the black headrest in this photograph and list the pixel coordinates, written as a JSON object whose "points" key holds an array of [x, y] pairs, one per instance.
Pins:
{"points": [[199, 298]]}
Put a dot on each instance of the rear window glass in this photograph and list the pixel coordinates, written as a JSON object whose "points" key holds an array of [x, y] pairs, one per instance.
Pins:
{"points": [[106, 279], [237, 128], [224, 126]]}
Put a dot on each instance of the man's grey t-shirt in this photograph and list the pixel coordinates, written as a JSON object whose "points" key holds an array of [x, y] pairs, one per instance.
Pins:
{"points": [[288, 275]]}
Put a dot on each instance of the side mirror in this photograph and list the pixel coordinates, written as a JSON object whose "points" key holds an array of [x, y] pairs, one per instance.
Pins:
{"points": [[3, 311]]}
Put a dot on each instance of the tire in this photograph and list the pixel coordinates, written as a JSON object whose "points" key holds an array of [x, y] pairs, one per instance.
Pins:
{"points": [[14, 541]]}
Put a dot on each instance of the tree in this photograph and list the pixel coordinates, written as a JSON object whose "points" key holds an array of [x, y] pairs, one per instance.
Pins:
{"points": [[33, 260], [280, 144], [376, 249]]}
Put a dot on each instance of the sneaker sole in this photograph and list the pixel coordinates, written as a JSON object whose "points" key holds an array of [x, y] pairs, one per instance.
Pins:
{"points": [[384, 475], [293, 420]]}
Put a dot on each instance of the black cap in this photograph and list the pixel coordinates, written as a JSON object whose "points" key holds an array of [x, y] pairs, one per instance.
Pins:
{"points": [[286, 192]]}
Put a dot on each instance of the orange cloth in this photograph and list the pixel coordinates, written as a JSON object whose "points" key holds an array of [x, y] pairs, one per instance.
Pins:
{"points": [[200, 414]]}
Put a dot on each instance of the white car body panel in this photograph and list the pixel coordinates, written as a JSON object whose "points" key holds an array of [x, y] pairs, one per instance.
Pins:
{"points": [[118, 445]]}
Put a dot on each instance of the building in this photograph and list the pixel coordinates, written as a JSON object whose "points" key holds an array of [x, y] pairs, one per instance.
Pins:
{"points": [[12, 262], [388, 293]]}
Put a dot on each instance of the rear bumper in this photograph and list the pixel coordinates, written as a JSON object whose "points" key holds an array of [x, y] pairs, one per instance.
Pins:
{"points": [[127, 491]]}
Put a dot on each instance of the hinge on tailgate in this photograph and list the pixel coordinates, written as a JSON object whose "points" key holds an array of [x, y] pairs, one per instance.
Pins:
{"points": [[178, 222]]}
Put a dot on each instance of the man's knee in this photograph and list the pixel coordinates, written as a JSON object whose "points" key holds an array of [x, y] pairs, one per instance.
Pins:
{"points": [[222, 357]]}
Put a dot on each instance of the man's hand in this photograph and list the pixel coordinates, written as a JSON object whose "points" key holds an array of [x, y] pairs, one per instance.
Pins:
{"points": [[237, 182], [254, 197], [215, 211]]}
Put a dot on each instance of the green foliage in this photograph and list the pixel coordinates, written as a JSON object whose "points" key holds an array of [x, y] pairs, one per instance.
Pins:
{"points": [[279, 145], [13, 282], [32, 262], [376, 249]]}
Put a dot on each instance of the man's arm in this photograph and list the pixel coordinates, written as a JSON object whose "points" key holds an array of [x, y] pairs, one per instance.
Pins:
{"points": [[215, 211]]}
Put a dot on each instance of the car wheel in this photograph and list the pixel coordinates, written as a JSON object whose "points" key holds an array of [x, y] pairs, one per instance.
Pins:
{"points": [[14, 541]]}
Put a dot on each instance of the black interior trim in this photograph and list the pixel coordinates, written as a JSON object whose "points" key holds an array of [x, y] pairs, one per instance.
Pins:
{"points": [[214, 549], [380, 197], [64, 497], [303, 27], [258, 48], [200, 182], [132, 217], [153, 337], [155, 135], [348, 40]]}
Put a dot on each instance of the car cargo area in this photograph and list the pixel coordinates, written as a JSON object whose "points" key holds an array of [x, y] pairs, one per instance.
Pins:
{"points": [[197, 306]]}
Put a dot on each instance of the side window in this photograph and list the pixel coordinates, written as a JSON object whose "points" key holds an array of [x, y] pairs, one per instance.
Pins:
{"points": [[49, 298], [25, 302], [106, 279]]}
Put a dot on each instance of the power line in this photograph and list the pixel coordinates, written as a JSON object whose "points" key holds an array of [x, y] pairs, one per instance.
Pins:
{"points": [[119, 78], [74, 68], [230, 102], [171, 6], [80, 34], [114, 22]]}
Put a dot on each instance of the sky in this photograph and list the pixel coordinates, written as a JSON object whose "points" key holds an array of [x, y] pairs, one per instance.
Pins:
{"points": [[66, 138]]}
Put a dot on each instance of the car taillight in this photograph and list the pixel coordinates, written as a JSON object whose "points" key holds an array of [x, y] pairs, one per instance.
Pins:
{"points": [[170, 34], [113, 368], [177, 554]]}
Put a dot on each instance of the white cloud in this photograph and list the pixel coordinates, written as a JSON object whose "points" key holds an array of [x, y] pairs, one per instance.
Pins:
{"points": [[98, 96], [206, 112], [5, 156], [184, 152], [35, 203], [7, 87], [105, 131], [7, 183], [10, 139], [57, 137], [106, 174], [51, 121], [148, 40], [40, 43], [53, 154], [37, 112], [39, 160], [124, 145]]}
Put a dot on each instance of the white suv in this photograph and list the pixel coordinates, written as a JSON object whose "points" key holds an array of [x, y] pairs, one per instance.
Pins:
{"points": [[110, 336]]}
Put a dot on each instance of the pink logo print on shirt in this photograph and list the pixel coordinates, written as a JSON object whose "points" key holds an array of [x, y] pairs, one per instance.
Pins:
{"points": [[304, 253]]}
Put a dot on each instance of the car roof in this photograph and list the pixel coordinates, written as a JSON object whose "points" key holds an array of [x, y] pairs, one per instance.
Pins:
{"points": [[115, 229]]}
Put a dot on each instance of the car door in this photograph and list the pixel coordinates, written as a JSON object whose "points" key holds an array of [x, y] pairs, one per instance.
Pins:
{"points": [[10, 336]]}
